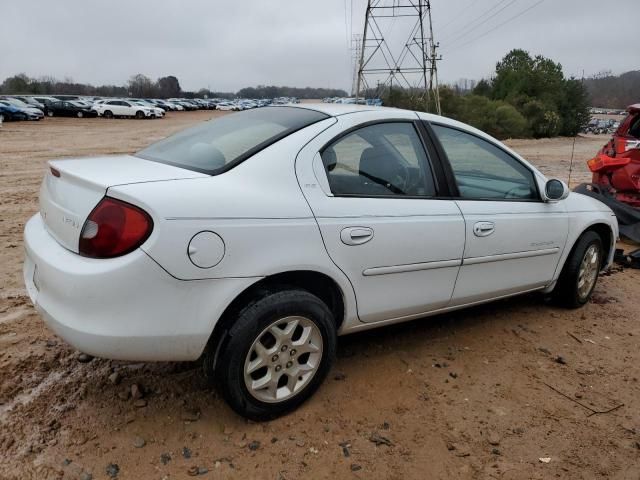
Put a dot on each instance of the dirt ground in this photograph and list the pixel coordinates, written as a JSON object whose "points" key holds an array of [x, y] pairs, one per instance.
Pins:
{"points": [[515, 389]]}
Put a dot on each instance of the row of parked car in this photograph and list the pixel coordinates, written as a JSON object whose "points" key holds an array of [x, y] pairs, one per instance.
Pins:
{"points": [[606, 111], [36, 107], [601, 126], [377, 102]]}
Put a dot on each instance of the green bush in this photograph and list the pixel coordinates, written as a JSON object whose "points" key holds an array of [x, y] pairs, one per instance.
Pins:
{"points": [[543, 120]]}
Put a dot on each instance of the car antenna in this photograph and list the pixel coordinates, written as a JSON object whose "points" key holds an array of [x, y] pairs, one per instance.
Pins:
{"points": [[573, 148]]}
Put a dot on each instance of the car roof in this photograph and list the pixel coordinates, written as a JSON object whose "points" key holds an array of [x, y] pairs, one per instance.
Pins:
{"points": [[333, 110], [634, 108], [336, 109]]}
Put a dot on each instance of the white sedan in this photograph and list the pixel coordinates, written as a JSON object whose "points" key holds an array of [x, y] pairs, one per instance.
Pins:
{"points": [[124, 108], [251, 241], [227, 106]]}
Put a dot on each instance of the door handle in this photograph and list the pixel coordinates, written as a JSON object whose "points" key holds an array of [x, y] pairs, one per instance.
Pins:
{"points": [[356, 235], [483, 229]]}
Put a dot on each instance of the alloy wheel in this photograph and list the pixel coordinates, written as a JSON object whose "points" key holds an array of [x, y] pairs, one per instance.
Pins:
{"points": [[588, 272], [283, 359]]}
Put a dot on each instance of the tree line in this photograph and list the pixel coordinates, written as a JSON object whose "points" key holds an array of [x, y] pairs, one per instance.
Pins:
{"points": [[141, 86], [528, 96], [614, 91]]}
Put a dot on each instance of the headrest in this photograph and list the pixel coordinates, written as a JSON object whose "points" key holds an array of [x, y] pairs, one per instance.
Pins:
{"points": [[330, 159]]}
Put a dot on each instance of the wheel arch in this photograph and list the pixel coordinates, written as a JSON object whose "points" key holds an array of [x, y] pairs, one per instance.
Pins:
{"points": [[603, 230], [605, 233], [316, 283]]}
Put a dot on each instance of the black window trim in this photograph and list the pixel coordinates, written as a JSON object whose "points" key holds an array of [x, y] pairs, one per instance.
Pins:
{"points": [[451, 181], [245, 156], [436, 172]]}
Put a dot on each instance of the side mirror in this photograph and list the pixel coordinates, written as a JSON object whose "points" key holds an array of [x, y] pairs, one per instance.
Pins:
{"points": [[555, 190]]}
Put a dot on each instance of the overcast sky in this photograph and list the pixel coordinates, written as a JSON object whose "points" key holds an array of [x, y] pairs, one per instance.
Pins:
{"points": [[226, 45]]}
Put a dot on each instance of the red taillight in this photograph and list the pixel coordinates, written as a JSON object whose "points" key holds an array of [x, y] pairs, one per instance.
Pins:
{"points": [[114, 228]]}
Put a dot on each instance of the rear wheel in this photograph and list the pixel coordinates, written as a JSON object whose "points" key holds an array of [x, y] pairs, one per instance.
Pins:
{"points": [[276, 354], [580, 273], [79, 114], [139, 114], [108, 114], [50, 113]]}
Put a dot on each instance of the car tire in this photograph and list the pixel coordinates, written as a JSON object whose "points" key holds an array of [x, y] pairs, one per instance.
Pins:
{"points": [[79, 114], [300, 322], [50, 113], [580, 272], [108, 114], [139, 114]]}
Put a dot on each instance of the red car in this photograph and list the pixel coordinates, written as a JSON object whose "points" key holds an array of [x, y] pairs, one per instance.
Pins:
{"points": [[616, 167]]}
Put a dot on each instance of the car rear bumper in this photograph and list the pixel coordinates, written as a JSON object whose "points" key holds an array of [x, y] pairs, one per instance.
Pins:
{"points": [[125, 308]]}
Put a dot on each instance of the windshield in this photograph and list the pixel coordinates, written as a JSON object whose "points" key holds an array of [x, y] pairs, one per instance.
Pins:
{"points": [[218, 145], [17, 102]]}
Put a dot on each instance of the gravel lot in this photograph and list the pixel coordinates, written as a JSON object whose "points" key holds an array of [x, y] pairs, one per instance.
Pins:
{"points": [[506, 390]]}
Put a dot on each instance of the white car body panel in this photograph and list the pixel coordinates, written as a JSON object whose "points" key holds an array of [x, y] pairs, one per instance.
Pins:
{"points": [[274, 213], [106, 308], [521, 254], [403, 255], [67, 200]]}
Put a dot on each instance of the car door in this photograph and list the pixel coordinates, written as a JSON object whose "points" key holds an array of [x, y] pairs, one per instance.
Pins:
{"points": [[110, 106], [373, 190], [67, 109], [122, 108], [514, 240]]}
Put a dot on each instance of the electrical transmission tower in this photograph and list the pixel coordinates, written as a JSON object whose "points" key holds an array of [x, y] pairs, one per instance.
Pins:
{"points": [[356, 49], [384, 64]]}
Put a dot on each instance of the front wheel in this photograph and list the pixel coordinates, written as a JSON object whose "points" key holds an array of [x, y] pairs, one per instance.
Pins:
{"points": [[50, 113], [580, 273], [139, 115], [80, 114], [108, 114], [276, 354]]}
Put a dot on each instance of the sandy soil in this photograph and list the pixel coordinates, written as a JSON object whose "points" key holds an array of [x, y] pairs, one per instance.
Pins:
{"points": [[484, 393]]}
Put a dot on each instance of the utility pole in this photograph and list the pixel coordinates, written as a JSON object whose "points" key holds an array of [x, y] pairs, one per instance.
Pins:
{"points": [[380, 61]]}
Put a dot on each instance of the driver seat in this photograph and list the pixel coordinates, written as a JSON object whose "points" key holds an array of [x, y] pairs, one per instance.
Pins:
{"points": [[378, 173]]}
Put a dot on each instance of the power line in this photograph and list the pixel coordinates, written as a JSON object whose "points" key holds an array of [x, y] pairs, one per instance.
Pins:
{"points": [[346, 25], [467, 32], [471, 22], [497, 26], [456, 16]]}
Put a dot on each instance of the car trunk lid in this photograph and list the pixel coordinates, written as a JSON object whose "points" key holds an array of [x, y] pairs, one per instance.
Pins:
{"points": [[72, 188]]}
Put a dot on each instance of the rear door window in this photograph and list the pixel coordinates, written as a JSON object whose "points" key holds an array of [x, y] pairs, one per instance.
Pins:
{"points": [[385, 159]]}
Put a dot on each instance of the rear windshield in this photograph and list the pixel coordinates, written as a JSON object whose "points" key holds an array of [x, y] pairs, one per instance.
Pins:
{"points": [[218, 145], [634, 127]]}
